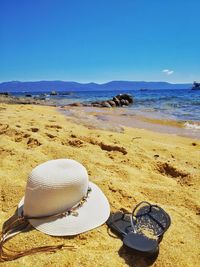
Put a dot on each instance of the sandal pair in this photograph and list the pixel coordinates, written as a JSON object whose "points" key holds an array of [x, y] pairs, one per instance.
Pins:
{"points": [[143, 229]]}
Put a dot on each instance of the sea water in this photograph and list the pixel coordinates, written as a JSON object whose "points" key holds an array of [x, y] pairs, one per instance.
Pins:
{"points": [[172, 104]]}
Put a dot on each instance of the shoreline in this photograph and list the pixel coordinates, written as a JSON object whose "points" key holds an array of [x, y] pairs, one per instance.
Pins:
{"points": [[160, 168], [117, 118]]}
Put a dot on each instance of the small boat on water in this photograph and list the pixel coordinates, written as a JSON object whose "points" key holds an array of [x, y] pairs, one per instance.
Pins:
{"points": [[196, 86]]}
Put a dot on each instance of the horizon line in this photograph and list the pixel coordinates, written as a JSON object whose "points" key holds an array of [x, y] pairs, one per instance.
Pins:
{"points": [[99, 83]]}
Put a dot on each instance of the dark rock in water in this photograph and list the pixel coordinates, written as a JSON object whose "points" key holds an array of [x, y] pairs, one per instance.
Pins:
{"points": [[75, 104], [125, 97], [124, 102], [105, 104], [53, 93], [9, 99], [28, 95], [117, 101], [42, 97], [96, 102], [4, 93], [97, 105], [112, 103]]}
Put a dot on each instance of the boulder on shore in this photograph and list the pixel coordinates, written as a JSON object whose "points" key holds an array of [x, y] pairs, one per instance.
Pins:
{"points": [[76, 104], [121, 100], [127, 97], [105, 104]]}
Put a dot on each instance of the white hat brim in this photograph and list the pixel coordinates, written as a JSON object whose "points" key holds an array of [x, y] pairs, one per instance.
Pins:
{"points": [[94, 212]]}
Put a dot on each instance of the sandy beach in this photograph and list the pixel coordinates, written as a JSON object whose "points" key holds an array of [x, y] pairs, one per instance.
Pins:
{"points": [[129, 166]]}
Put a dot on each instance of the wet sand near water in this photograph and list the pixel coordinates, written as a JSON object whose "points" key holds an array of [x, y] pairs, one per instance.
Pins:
{"points": [[116, 118], [129, 165]]}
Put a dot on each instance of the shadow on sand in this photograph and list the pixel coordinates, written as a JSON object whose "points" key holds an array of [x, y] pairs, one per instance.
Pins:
{"points": [[136, 259], [13, 226]]}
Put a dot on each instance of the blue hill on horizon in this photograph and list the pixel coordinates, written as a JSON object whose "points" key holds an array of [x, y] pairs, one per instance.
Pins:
{"points": [[45, 86]]}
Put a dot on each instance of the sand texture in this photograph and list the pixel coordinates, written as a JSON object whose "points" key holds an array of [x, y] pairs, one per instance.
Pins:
{"points": [[129, 166]]}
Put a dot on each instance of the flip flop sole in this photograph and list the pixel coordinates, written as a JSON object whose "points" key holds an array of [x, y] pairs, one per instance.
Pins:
{"points": [[141, 243]]}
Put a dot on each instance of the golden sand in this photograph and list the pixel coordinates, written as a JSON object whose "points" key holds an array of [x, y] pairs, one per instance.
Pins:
{"points": [[129, 167]]}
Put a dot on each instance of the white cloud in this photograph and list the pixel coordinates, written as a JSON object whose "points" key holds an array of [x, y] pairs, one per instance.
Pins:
{"points": [[168, 72]]}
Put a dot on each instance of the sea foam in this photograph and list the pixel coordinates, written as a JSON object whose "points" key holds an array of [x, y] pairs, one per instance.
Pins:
{"points": [[194, 126]]}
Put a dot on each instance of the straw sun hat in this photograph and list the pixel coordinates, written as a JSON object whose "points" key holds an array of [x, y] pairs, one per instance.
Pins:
{"points": [[59, 199]]}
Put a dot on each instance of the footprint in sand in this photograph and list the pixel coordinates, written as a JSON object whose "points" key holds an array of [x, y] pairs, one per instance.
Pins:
{"points": [[32, 142], [112, 148], [34, 130], [169, 170], [75, 143], [26, 135], [53, 126], [100, 144], [51, 135]]}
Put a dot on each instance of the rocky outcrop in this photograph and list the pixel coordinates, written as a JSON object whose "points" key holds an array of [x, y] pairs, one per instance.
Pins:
{"points": [[53, 93], [121, 100], [8, 99], [4, 93]]}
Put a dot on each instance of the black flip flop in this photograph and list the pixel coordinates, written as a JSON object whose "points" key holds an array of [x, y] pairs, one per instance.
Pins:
{"points": [[143, 229], [151, 217], [120, 223]]}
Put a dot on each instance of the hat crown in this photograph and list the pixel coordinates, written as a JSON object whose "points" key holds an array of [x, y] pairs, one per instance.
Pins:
{"points": [[55, 186]]}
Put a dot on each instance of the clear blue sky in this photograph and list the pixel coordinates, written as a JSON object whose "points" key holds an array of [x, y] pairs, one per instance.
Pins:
{"points": [[100, 40]]}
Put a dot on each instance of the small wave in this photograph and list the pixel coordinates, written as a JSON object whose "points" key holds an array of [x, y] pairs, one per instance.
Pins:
{"points": [[196, 103], [194, 126]]}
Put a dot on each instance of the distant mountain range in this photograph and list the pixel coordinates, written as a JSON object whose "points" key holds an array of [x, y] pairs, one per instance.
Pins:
{"points": [[45, 86]]}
